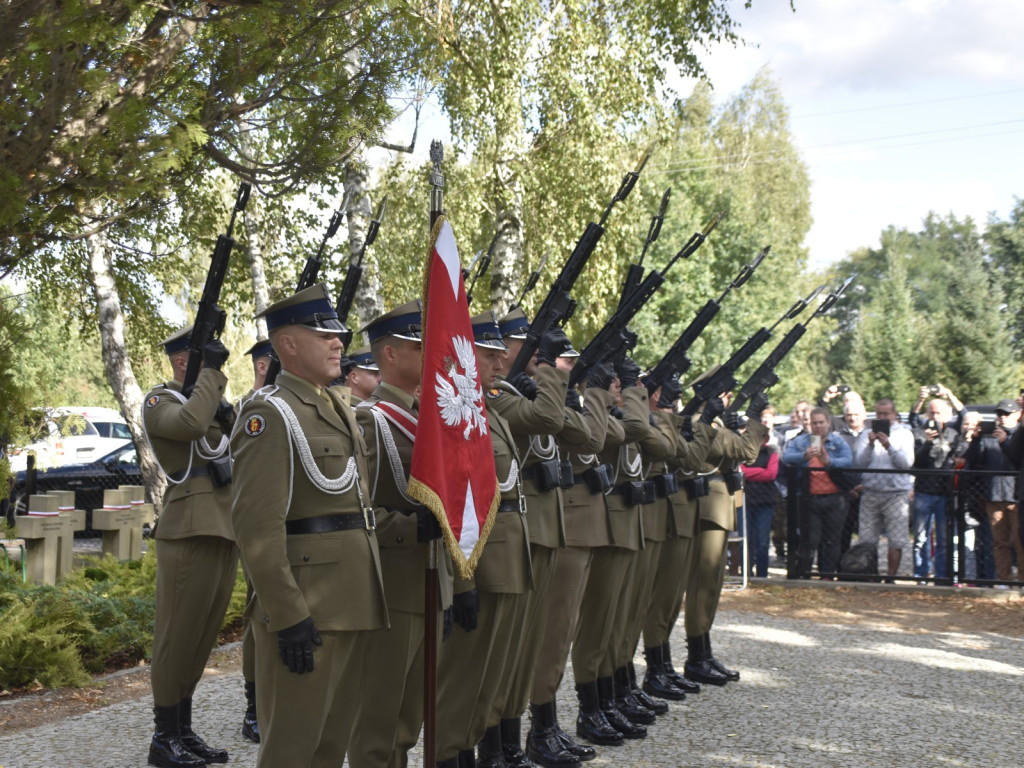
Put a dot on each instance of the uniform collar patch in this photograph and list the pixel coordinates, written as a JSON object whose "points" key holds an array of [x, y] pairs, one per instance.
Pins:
{"points": [[152, 400], [255, 425]]}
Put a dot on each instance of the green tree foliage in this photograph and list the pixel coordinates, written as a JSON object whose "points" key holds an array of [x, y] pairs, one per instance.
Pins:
{"points": [[1005, 241]]}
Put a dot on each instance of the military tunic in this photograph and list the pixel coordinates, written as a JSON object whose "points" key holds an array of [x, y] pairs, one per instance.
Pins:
{"points": [[299, 456], [195, 552]]}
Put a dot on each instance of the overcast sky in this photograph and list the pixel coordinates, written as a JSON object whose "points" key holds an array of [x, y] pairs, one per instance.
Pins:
{"points": [[898, 107]]}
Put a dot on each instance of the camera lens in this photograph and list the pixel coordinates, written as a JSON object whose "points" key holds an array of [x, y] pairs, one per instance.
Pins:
{"points": [[843, 389], [933, 390]]}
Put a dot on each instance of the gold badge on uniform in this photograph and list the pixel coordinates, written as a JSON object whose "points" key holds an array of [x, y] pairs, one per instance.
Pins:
{"points": [[152, 400], [255, 425], [493, 392]]}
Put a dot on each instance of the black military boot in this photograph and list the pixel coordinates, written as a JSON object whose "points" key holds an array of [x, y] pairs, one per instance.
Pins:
{"points": [[542, 743], [466, 759], [697, 667], [656, 681], [167, 750], [191, 739], [591, 723], [657, 706], [582, 751], [680, 682], [730, 674], [617, 720], [627, 703], [511, 730], [488, 751], [250, 727]]}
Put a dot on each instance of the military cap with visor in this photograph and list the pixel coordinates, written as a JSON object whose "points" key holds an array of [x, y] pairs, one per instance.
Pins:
{"points": [[310, 307], [404, 322], [486, 332], [177, 341]]}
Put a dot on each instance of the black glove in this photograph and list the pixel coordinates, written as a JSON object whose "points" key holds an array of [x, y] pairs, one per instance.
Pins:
{"points": [[671, 390], [465, 607], [215, 354], [295, 644], [686, 427], [572, 400], [712, 409], [524, 384], [616, 412], [628, 372], [225, 416], [447, 623], [601, 376], [427, 527], [553, 342], [756, 406], [731, 420]]}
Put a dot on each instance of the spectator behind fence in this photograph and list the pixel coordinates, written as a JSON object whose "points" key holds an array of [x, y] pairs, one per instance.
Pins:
{"points": [[884, 504], [854, 415], [934, 438], [970, 503], [1000, 490], [823, 511], [943, 393], [799, 424], [1013, 449], [759, 490]]}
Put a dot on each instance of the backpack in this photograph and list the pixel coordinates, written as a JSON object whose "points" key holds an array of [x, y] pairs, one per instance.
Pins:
{"points": [[861, 559]]}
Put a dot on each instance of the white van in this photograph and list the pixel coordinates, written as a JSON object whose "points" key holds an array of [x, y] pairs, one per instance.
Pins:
{"points": [[73, 435]]}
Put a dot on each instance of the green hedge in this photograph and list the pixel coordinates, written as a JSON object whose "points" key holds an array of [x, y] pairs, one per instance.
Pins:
{"points": [[100, 616]]}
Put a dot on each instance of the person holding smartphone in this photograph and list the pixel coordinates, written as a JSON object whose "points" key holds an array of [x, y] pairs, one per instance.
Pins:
{"points": [[824, 507], [885, 504], [986, 452]]}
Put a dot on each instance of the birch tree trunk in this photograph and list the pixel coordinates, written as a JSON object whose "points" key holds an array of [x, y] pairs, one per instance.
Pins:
{"points": [[115, 361], [511, 141], [257, 272], [368, 303]]}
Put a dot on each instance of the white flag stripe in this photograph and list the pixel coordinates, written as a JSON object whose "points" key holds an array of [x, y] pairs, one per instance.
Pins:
{"points": [[470, 526], [449, 253]]}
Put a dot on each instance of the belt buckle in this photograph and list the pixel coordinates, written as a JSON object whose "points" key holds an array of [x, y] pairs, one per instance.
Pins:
{"points": [[369, 519]]}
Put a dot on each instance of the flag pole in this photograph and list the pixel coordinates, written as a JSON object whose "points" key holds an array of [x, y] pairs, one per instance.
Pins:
{"points": [[430, 589]]}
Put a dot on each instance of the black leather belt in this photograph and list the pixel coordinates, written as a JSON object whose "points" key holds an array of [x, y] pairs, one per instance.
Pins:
{"points": [[202, 471], [509, 505], [715, 476], [329, 523], [616, 490]]}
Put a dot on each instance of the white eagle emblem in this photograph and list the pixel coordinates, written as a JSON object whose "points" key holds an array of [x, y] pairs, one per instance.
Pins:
{"points": [[463, 402]]}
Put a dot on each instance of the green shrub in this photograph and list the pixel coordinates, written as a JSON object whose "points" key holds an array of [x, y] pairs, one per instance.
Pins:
{"points": [[99, 616]]}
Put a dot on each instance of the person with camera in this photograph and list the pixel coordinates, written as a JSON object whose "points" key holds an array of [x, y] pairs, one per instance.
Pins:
{"points": [[1001, 490], [885, 502], [944, 395], [823, 512], [934, 439]]}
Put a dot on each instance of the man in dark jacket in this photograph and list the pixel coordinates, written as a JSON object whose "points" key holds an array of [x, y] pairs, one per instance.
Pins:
{"points": [[933, 445]]}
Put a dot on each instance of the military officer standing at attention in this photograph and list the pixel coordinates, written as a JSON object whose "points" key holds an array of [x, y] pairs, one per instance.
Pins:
{"points": [[260, 352], [717, 513], [391, 715], [473, 664], [666, 598], [196, 558], [305, 528], [363, 376], [535, 411]]}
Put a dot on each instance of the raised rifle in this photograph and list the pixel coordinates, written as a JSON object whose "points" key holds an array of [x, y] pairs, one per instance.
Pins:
{"points": [[310, 273], [531, 281], [765, 376], [558, 305], [724, 379], [436, 181], [347, 295], [675, 360], [484, 259], [613, 337], [209, 317]]}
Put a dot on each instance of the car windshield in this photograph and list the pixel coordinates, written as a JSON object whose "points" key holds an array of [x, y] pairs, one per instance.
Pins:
{"points": [[126, 457], [73, 425], [112, 429]]}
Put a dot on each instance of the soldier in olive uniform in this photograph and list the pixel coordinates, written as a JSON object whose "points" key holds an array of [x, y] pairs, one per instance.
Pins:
{"points": [[601, 626], [306, 531], [673, 563], [196, 558], [535, 411], [260, 352], [474, 663], [391, 714], [717, 513], [363, 375], [585, 528]]}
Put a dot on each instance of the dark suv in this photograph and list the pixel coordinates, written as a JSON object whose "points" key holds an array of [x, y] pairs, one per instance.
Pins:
{"points": [[88, 481]]}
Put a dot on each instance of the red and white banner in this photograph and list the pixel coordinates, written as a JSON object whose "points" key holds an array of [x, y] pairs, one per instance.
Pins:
{"points": [[452, 459]]}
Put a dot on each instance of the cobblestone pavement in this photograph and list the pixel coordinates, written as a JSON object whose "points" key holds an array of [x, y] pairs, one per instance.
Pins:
{"points": [[812, 694]]}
